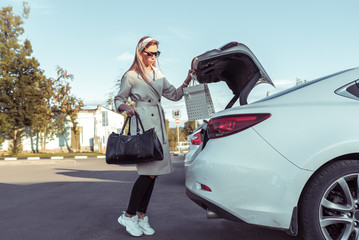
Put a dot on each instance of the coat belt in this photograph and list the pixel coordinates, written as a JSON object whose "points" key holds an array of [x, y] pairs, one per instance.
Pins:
{"points": [[160, 113]]}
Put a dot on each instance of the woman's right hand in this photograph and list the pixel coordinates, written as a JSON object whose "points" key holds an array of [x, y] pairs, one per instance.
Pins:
{"points": [[130, 111]]}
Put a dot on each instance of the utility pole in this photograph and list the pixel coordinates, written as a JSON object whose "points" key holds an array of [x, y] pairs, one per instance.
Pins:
{"points": [[176, 114]]}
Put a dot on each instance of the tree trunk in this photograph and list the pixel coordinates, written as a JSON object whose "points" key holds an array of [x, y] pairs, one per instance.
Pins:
{"points": [[31, 142], [65, 134], [68, 147], [45, 138], [75, 139], [37, 141], [15, 149]]}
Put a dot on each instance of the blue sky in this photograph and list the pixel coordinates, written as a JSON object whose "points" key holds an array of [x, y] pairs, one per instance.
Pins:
{"points": [[95, 40]]}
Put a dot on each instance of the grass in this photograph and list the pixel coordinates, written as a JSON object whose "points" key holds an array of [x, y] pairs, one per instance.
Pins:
{"points": [[47, 155]]}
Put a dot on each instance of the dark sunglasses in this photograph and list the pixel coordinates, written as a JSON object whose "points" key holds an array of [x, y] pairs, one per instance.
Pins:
{"points": [[151, 54]]}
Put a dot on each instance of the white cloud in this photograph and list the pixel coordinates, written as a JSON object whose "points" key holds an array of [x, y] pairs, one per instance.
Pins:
{"points": [[44, 9], [127, 39], [41, 6], [125, 57], [184, 35]]}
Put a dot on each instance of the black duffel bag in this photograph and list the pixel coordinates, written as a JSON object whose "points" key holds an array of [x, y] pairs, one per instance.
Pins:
{"points": [[133, 149]]}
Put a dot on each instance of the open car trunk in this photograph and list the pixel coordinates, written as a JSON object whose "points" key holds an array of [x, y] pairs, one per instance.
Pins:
{"points": [[234, 64]]}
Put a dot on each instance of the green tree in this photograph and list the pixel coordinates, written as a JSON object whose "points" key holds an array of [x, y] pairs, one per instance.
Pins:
{"points": [[20, 79], [41, 119], [171, 136], [43, 124], [30, 103], [190, 126], [61, 106], [3, 127], [65, 106], [110, 104]]}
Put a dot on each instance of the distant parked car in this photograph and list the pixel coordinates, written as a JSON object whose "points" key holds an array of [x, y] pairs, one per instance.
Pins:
{"points": [[182, 146], [289, 161]]}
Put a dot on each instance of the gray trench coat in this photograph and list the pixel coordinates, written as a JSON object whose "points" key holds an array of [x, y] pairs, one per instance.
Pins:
{"points": [[148, 106]]}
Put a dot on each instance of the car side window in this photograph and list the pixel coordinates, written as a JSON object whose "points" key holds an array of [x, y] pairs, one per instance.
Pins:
{"points": [[354, 89], [350, 90]]}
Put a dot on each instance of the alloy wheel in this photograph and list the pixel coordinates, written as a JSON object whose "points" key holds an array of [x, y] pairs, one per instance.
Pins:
{"points": [[339, 209]]}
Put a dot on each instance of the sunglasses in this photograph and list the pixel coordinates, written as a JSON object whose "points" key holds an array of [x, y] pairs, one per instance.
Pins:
{"points": [[151, 54]]}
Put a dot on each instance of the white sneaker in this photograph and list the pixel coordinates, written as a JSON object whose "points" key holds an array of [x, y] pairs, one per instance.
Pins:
{"points": [[145, 226], [131, 225]]}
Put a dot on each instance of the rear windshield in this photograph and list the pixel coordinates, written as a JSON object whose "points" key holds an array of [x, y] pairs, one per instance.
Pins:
{"points": [[292, 89]]}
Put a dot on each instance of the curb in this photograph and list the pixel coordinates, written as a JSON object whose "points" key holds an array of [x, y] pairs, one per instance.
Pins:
{"points": [[36, 162], [47, 158]]}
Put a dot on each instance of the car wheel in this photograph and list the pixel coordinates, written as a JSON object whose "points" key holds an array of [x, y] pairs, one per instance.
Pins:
{"points": [[329, 207]]}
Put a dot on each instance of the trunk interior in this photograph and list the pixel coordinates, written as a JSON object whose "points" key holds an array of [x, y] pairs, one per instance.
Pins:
{"points": [[238, 71]]}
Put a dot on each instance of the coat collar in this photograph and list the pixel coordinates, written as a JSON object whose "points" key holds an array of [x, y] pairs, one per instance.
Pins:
{"points": [[158, 74]]}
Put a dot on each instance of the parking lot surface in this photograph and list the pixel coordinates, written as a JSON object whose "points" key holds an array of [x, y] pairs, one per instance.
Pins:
{"points": [[82, 199]]}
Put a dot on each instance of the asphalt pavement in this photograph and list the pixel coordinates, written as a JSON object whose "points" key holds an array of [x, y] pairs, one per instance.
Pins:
{"points": [[82, 199]]}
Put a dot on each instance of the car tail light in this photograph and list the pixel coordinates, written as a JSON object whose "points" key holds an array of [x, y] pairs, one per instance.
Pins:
{"points": [[196, 138], [206, 188], [230, 124]]}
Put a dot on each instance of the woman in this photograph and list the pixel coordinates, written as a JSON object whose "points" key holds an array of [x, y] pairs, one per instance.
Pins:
{"points": [[145, 84]]}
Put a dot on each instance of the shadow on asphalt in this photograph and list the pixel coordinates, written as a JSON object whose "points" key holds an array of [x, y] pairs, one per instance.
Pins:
{"points": [[101, 175], [89, 210]]}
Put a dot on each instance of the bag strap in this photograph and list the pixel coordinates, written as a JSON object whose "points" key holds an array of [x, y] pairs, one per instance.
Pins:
{"points": [[138, 120], [124, 125], [129, 128]]}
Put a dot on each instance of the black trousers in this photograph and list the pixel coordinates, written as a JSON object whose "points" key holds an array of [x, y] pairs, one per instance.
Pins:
{"points": [[141, 194]]}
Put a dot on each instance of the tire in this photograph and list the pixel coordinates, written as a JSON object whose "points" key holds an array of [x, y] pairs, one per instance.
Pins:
{"points": [[329, 207]]}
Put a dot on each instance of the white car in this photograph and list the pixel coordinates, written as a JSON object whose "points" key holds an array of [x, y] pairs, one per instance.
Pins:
{"points": [[289, 161], [182, 146], [194, 140]]}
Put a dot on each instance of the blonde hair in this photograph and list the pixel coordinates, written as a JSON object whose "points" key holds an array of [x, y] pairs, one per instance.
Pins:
{"points": [[138, 64]]}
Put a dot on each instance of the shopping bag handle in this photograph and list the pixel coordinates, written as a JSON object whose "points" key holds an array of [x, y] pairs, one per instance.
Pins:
{"points": [[194, 80]]}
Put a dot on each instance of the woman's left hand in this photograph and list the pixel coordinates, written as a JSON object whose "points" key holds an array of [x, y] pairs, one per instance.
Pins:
{"points": [[189, 77]]}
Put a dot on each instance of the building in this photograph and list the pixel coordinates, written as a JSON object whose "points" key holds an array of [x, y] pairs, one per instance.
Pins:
{"points": [[95, 124]]}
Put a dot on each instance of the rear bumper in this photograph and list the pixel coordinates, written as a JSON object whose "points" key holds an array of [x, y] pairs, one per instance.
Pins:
{"points": [[207, 205], [222, 213], [259, 187]]}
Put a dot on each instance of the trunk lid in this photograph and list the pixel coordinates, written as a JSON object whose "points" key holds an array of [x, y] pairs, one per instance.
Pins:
{"points": [[235, 64]]}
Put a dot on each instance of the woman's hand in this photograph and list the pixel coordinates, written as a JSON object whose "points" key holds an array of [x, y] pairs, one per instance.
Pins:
{"points": [[130, 111], [189, 77]]}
